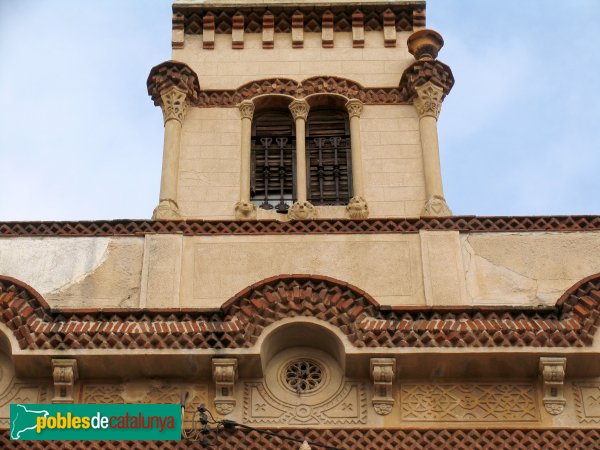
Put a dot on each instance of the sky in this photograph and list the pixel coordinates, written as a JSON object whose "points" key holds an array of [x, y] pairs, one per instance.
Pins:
{"points": [[81, 140]]}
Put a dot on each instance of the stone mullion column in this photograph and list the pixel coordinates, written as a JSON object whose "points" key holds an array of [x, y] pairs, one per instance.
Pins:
{"points": [[245, 209], [357, 208], [428, 103], [302, 208], [174, 107]]}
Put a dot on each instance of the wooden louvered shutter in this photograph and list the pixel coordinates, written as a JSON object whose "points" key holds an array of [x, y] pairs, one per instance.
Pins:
{"points": [[328, 158], [273, 161]]}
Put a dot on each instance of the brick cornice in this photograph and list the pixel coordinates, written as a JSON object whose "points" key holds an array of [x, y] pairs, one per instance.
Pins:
{"points": [[356, 439], [190, 17], [241, 320], [463, 224]]}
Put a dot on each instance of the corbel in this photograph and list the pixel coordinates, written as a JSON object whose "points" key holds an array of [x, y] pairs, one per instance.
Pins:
{"points": [[268, 30], [327, 29], [178, 32], [389, 28], [237, 32], [358, 29], [383, 371], [552, 372], [64, 374], [208, 31], [225, 374], [298, 30]]}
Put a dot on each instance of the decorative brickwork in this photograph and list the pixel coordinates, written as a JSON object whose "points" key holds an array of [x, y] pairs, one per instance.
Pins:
{"points": [[315, 85], [463, 224], [346, 439], [172, 74], [406, 18], [423, 71], [239, 323]]}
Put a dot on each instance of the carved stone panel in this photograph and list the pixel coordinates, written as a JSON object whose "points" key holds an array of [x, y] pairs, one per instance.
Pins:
{"points": [[475, 402], [146, 392], [346, 407], [304, 387], [13, 390], [587, 402]]}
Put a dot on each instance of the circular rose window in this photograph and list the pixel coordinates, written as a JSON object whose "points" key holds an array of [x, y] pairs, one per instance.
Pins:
{"points": [[303, 376]]}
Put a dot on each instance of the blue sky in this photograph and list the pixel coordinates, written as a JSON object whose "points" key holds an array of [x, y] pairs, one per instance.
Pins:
{"points": [[80, 138]]}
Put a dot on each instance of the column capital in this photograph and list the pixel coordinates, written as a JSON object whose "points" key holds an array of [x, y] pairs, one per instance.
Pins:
{"points": [[246, 109], [428, 100], [354, 107], [299, 109], [172, 85], [173, 104]]}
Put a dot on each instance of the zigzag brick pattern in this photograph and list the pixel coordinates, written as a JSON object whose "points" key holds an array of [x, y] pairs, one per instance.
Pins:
{"points": [[344, 439], [241, 320], [464, 224]]}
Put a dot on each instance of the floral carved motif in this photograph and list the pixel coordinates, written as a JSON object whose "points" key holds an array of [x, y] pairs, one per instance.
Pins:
{"points": [[174, 104], [428, 101]]}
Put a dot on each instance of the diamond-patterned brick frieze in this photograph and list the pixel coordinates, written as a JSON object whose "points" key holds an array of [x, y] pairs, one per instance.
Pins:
{"points": [[423, 71], [240, 321], [463, 224], [350, 439], [190, 17]]}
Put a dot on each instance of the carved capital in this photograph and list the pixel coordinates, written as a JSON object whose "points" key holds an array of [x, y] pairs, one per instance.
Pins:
{"points": [[302, 211], [429, 100], [64, 374], [354, 107], [436, 206], [299, 109], [552, 373], [167, 209], [173, 104], [357, 208], [225, 374], [245, 211], [383, 372], [246, 109]]}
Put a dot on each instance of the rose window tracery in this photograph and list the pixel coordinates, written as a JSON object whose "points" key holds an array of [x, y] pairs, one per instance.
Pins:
{"points": [[303, 376]]}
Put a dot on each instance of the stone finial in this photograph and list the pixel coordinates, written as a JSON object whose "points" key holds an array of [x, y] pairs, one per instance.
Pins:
{"points": [[383, 371], [425, 44], [64, 373], [305, 446], [552, 372], [172, 74], [225, 374]]}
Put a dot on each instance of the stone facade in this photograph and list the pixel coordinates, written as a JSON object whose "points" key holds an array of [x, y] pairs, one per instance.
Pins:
{"points": [[374, 320]]}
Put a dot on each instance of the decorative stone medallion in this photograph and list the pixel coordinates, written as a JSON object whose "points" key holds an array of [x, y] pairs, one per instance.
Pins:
{"points": [[587, 402]]}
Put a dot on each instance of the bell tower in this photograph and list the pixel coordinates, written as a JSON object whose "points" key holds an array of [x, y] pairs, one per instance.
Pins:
{"points": [[299, 110]]}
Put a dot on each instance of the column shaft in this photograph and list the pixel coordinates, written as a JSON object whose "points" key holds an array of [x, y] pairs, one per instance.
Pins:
{"points": [[431, 156], [244, 208], [357, 208], [302, 208]]}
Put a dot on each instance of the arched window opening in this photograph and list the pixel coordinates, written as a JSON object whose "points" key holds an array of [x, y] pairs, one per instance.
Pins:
{"points": [[273, 177], [328, 153]]}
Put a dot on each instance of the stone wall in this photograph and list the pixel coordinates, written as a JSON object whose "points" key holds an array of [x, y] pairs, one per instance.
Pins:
{"points": [[437, 268]]}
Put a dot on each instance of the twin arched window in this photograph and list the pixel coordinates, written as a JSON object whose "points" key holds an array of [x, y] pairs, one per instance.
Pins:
{"points": [[328, 162]]}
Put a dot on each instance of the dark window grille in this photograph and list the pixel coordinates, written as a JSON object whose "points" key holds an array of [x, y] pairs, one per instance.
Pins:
{"points": [[273, 173], [329, 163]]}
